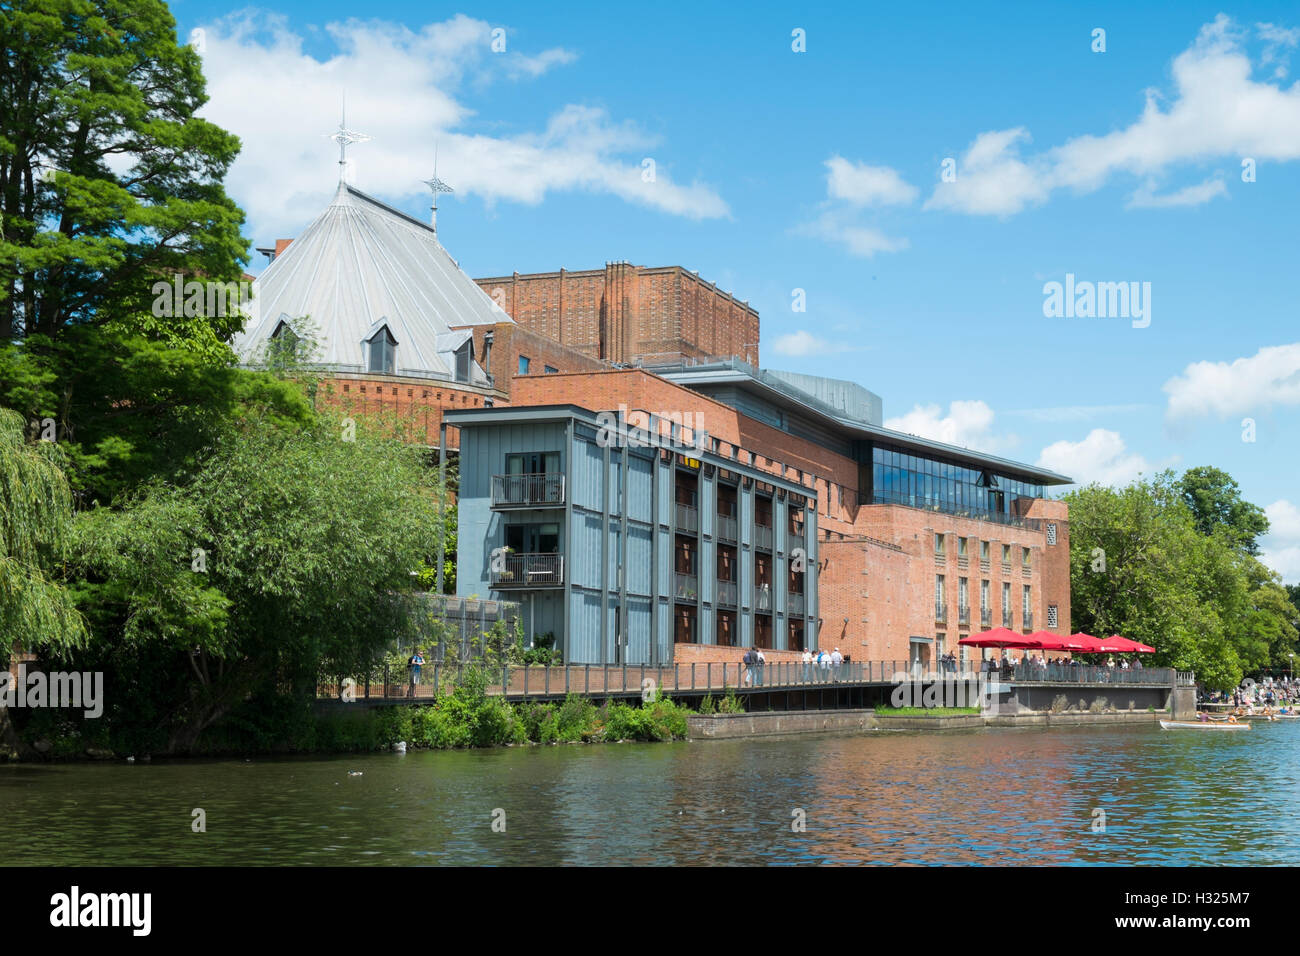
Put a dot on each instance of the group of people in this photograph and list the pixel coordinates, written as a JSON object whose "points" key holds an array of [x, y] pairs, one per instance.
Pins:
{"points": [[1270, 694], [818, 667]]}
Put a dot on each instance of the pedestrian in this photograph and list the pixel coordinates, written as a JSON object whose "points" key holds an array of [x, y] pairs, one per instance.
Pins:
{"points": [[837, 659], [759, 662], [415, 663], [807, 665], [824, 665], [750, 660]]}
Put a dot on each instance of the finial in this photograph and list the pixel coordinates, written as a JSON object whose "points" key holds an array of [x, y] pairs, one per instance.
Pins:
{"points": [[437, 186], [346, 137]]}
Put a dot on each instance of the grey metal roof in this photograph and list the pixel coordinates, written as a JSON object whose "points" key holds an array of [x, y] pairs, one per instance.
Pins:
{"points": [[360, 265], [783, 390]]}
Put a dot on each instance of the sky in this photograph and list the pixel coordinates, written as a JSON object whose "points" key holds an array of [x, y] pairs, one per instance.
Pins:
{"points": [[923, 203]]}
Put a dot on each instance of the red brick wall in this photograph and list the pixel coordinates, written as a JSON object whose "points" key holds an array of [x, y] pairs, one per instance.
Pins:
{"points": [[415, 405], [624, 311]]}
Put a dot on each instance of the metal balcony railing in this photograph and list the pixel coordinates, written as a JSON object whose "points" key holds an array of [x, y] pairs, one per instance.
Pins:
{"points": [[940, 613], [688, 587], [528, 491], [763, 536], [727, 527], [530, 571], [963, 615], [796, 604], [986, 618], [728, 593], [929, 504], [688, 519], [1007, 620], [1028, 624], [763, 598]]}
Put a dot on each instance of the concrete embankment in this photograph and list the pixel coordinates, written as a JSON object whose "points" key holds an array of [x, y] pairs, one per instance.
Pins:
{"points": [[782, 723]]}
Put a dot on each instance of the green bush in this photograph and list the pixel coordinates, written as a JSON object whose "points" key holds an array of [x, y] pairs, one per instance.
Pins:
{"points": [[575, 719], [659, 719]]}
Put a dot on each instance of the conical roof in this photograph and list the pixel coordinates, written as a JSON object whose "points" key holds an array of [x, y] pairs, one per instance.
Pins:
{"points": [[362, 265]]}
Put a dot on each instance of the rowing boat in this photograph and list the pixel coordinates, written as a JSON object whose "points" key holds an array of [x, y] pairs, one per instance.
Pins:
{"points": [[1201, 725]]}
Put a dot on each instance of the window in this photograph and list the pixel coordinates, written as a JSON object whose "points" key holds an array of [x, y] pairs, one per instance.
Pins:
{"points": [[1024, 558], [1006, 603], [523, 365], [533, 463], [382, 352], [533, 538], [939, 600], [1052, 615], [961, 547], [1025, 603], [963, 594], [984, 550], [1006, 554], [284, 346], [549, 370], [464, 359], [1051, 532], [938, 545], [984, 595]]}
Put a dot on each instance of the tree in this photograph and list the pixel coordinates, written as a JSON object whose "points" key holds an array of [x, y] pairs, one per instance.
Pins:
{"points": [[1217, 507], [108, 180], [35, 516], [286, 551]]}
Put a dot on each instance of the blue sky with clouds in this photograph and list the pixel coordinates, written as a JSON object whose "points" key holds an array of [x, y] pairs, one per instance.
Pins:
{"points": [[822, 170]]}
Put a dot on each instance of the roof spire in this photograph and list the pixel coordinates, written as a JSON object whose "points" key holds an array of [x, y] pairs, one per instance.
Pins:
{"points": [[437, 186], [345, 138]]}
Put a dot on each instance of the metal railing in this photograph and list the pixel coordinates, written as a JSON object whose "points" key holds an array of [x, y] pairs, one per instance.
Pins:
{"points": [[986, 618], [687, 587], [520, 681], [528, 491], [1008, 620], [728, 592], [529, 571], [688, 519], [1028, 623], [763, 598], [796, 604], [929, 504], [963, 615], [940, 613], [727, 527], [763, 536]]}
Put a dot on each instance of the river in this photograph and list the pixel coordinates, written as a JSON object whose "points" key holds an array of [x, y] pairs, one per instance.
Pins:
{"points": [[1022, 796]]}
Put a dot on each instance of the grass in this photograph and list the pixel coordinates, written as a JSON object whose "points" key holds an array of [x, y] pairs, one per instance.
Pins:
{"points": [[927, 711]]}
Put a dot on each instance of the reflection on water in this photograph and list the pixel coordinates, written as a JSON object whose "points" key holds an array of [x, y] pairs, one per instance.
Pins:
{"points": [[1020, 796]]}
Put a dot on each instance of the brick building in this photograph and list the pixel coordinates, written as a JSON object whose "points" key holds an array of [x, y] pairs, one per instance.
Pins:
{"points": [[629, 314]]}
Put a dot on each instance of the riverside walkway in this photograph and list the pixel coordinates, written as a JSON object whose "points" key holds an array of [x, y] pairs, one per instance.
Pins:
{"points": [[853, 683]]}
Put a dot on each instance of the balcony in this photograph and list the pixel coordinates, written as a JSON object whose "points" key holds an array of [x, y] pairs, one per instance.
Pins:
{"points": [[929, 504], [763, 536], [727, 528], [763, 599], [940, 613], [688, 519], [728, 592], [687, 588], [543, 490], [986, 618], [963, 616], [1028, 624], [1007, 620], [796, 605], [528, 571]]}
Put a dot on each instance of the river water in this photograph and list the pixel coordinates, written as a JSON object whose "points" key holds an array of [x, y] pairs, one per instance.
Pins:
{"points": [[1022, 796]]}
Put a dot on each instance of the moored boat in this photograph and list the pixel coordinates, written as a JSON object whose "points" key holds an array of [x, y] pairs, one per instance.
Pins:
{"points": [[1202, 725]]}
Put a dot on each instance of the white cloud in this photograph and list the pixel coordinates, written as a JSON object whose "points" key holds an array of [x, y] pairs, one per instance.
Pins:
{"points": [[1146, 198], [1218, 112], [1101, 457], [968, 424], [1280, 548], [404, 88], [1254, 384], [864, 185], [861, 241], [992, 179], [803, 343]]}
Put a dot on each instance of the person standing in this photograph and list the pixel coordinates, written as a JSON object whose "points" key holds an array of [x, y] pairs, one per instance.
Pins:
{"points": [[837, 659], [807, 665], [750, 660], [416, 663], [759, 662]]}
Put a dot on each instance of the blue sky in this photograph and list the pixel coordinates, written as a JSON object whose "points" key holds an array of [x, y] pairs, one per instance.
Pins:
{"points": [[777, 170]]}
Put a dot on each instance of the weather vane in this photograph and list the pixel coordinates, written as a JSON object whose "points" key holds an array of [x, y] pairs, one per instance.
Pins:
{"points": [[346, 137], [437, 186]]}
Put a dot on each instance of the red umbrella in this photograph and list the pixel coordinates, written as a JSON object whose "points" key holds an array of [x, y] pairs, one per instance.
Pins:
{"points": [[999, 637], [1129, 646], [1097, 645]]}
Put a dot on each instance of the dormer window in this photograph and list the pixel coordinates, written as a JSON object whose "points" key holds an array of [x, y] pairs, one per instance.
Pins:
{"points": [[464, 360], [382, 352], [285, 343]]}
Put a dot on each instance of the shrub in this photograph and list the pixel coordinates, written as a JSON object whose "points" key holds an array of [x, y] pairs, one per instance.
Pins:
{"points": [[1099, 706], [658, 719], [1060, 704], [575, 719]]}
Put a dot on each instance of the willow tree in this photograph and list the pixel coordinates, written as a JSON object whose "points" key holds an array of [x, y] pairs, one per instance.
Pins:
{"points": [[35, 516]]}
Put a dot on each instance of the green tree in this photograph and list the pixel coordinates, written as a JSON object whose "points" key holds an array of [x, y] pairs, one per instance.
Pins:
{"points": [[109, 182], [35, 517], [287, 552], [1217, 507]]}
